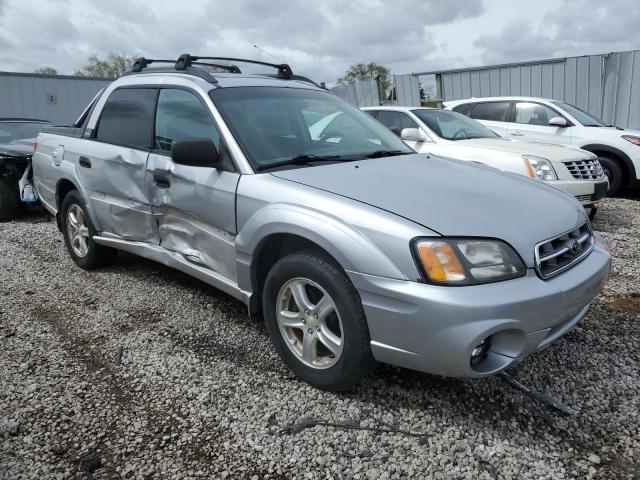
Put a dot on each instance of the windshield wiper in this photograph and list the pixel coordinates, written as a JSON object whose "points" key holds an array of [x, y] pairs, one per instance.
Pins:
{"points": [[305, 159], [385, 153]]}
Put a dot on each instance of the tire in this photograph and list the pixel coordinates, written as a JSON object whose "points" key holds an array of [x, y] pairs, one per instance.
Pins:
{"points": [[320, 277], [9, 200], [614, 172], [78, 238]]}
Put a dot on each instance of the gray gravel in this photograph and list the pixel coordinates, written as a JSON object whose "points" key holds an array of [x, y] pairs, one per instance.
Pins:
{"points": [[200, 393]]}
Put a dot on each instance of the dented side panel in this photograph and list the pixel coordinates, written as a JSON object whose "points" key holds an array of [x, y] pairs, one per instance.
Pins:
{"points": [[194, 209], [116, 184]]}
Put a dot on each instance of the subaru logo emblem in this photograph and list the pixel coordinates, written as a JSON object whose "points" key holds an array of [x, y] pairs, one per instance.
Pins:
{"points": [[574, 247]]}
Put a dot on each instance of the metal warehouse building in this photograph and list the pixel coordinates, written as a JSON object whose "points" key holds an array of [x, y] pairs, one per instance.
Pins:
{"points": [[606, 85], [57, 98]]}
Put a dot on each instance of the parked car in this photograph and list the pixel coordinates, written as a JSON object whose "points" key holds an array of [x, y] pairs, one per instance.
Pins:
{"points": [[17, 141], [352, 247], [451, 134], [552, 121]]}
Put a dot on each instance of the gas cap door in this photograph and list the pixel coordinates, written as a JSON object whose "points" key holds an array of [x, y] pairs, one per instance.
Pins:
{"points": [[57, 155]]}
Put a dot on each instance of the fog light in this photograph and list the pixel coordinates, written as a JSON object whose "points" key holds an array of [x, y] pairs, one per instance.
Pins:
{"points": [[480, 351]]}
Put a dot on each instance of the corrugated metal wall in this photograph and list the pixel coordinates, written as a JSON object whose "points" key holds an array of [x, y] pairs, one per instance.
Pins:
{"points": [[59, 99], [406, 89], [362, 94], [607, 86]]}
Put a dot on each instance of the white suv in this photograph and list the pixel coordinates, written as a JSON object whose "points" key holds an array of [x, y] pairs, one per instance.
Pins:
{"points": [[552, 121], [451, 134]]}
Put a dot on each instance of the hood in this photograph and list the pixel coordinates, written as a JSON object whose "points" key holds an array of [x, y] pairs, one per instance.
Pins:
{"points": [[17, 148], [451, 197], [553, 153]]}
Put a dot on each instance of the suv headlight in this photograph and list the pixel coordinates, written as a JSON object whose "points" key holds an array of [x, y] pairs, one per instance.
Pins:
{"points": [[466, 261], [540, 168], [632, 139]]}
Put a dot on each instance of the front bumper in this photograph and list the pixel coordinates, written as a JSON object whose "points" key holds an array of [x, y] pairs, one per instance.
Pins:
{"points": [[434, 328], [587, 192]]}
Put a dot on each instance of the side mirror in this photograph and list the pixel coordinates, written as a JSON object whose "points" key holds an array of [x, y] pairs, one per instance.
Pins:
{"points": [[558, 122], [195, 152], [413, 135]]}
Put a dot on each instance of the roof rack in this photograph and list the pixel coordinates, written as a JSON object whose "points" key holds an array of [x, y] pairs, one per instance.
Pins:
{"points": [[187, 63]]}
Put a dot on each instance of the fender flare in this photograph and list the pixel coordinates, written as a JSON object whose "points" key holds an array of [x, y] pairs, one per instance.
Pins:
{"points": [[631, 169], [352, 250], [85, 197]]}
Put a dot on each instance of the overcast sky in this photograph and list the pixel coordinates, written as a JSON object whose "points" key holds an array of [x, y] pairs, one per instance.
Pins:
{"points": [[318, 38]]}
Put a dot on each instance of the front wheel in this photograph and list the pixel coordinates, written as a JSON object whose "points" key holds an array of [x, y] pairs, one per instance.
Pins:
{"points": [[316, 322], [78, 232], [613, 171], [9, 200]]}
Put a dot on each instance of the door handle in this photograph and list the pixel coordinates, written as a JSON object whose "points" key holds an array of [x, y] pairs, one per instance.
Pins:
{"points": [[161, 181], [516, 134], [84, 162]]}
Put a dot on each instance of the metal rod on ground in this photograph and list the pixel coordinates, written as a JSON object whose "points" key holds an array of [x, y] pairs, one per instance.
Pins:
{"points": [[549, 401]]}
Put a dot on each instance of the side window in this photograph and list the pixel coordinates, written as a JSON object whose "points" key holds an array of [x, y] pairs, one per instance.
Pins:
{"points": [[181, 115], [398, 120], [465, 108], [372, 113], [494, 111], [127, 117], [534, 114]]}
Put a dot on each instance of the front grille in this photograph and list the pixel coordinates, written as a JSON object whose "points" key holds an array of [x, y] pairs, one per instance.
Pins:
{"points": [[587, 169], [583, 198], [562, 252]]}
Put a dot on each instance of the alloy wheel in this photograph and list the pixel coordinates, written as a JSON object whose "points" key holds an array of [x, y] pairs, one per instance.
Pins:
{"points": [[77, 231], [310, 323]]}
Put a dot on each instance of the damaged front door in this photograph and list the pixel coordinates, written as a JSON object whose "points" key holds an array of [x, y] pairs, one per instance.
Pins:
{"points": [[112, 165], [194, 206]]}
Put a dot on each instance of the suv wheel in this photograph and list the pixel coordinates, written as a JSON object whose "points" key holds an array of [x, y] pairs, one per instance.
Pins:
{"points": [[316, 322], [613, 171], [8, 200], [78, 232]]}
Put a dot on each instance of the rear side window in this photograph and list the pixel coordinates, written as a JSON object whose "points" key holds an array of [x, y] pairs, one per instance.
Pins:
{"points": [[127, 117], [465, 108], [493, 111], [181, 115], [397, 120]]}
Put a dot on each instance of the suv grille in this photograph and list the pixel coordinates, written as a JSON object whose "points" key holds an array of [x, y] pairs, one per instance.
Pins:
{"points": [[562, 252], [587, 169]]}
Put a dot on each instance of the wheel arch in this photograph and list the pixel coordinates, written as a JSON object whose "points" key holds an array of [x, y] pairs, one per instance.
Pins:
{"points": [[626, 162], [277, 230]]}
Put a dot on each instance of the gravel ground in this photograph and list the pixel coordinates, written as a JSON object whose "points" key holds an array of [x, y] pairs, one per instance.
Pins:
{"points": [[201, 394]]}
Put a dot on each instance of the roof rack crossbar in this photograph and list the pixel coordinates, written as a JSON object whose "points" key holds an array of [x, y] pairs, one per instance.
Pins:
{"points": [[142, 62], [284, 70]]}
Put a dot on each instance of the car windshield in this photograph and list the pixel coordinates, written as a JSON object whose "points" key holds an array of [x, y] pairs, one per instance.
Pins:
{"points": [[583, 117], [278, 126], [11, 131], [453, 125]]}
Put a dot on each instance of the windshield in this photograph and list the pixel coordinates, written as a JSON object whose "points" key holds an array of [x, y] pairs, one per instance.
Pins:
{"points": [[11, 131], [453, 125], [276, 126], [584, 118]]}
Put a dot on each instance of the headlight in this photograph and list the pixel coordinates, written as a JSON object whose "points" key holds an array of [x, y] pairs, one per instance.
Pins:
{"points": [[632, 139], [467, 261], [540, 168]]}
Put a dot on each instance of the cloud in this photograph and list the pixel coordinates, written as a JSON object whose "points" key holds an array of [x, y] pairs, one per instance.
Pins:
{"points": [[574, 27], [320, 39]]}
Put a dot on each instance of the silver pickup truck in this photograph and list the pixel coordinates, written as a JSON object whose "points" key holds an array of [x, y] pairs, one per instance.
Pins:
{"points": [[351, 246]]}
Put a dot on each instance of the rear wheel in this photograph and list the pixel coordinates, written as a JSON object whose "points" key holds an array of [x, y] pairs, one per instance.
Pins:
{"points": [[315, 320], [9, 200], [78, 232], [613, 171]]}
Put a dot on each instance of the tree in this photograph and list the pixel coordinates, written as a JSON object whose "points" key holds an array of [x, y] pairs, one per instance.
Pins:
{"points": [[370, 71], [112, 67], [46, 71]]}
